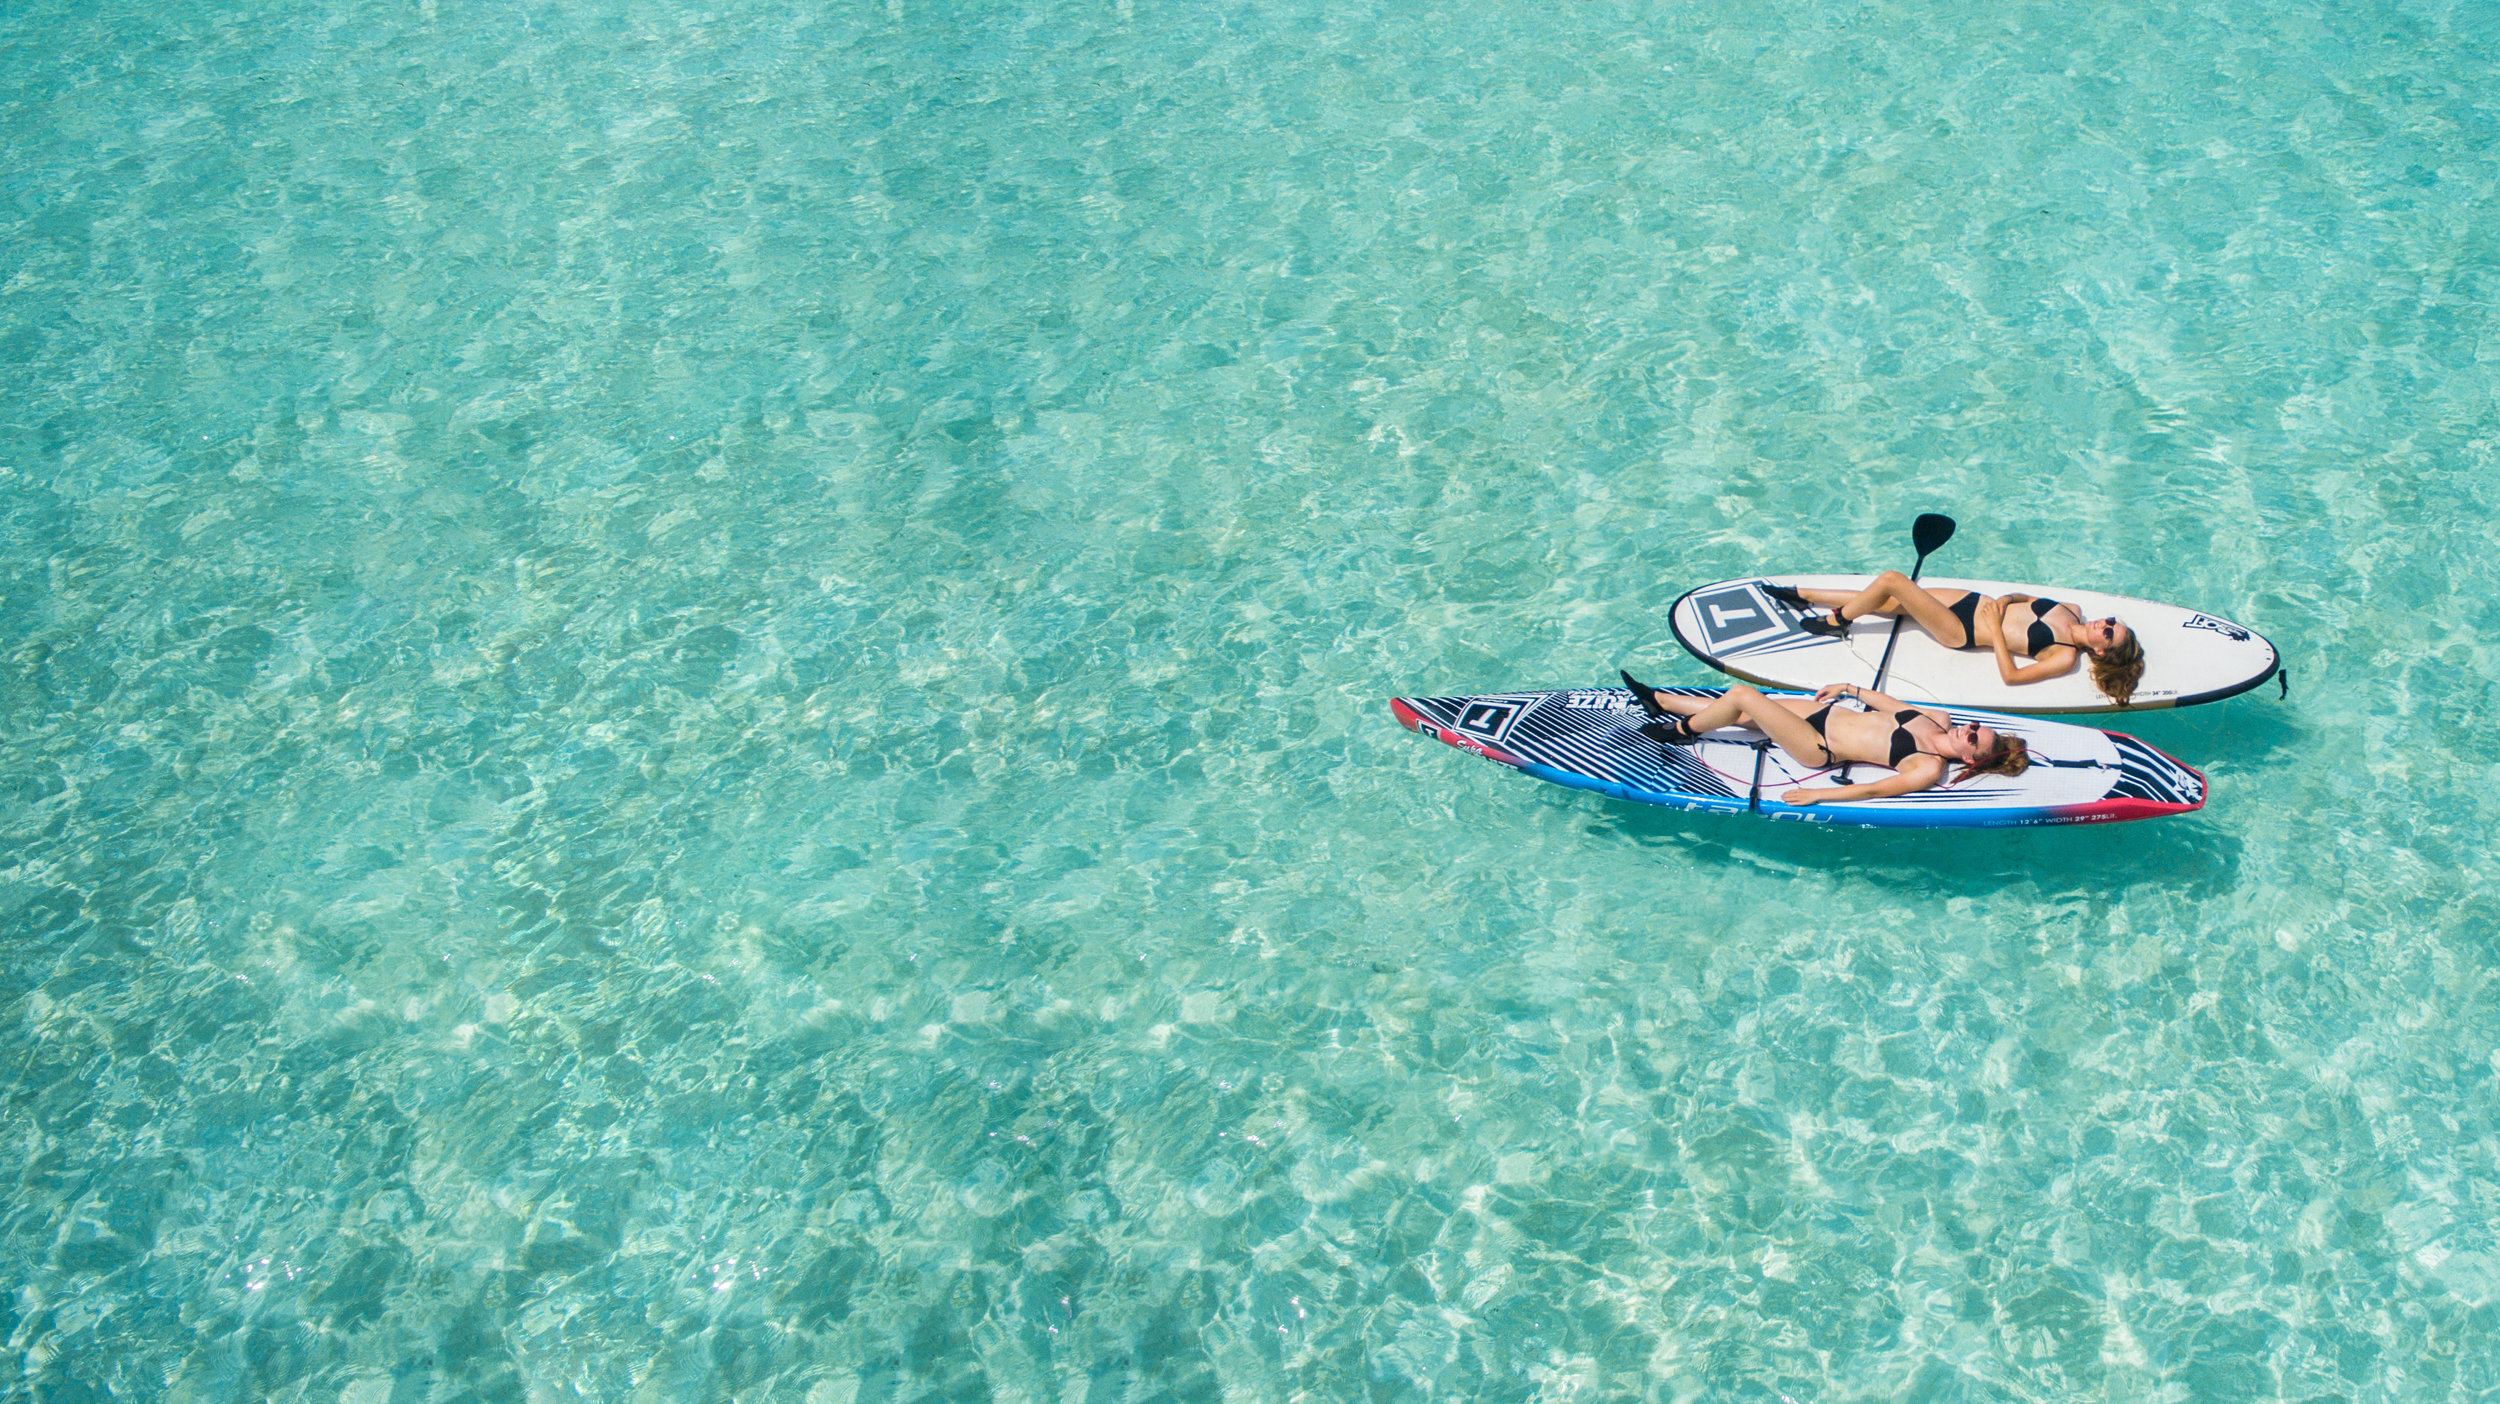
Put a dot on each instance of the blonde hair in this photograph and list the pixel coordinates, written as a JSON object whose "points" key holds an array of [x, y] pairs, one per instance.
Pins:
{"points": [[2010, 758], [2119, 671]]}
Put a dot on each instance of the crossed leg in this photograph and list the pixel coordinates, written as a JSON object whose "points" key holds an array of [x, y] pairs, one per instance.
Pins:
{"points": [[1895, 593], [1783, 719]]}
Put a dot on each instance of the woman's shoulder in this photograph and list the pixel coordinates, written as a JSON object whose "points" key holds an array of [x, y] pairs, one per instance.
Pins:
{"points": [[1926, 767]]}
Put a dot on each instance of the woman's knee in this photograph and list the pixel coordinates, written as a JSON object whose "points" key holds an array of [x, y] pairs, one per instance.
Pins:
{"points": [[1749, 701], [1893, 579]]}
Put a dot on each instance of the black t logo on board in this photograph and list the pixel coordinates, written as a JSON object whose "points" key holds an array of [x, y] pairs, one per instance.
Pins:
{"points": [[1734, 615]]}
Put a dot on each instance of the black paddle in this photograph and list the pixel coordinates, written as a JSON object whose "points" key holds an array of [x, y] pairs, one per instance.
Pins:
{"points": [[1931, 531]]}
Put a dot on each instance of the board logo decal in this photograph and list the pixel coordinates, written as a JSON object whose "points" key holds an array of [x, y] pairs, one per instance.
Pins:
{"points": [[2224, 627], [1734, 617], [1486, 719]]}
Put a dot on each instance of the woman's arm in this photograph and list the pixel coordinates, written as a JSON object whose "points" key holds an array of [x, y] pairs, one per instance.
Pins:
{"points": [[1875, 701], [1920, 773], [2056, 661]]}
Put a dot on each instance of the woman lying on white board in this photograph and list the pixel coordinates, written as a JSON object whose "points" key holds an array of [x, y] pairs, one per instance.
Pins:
{"points": [[1915, 742], [2053, 635]]}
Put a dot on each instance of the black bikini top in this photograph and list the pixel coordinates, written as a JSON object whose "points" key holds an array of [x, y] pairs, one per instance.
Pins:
{"points": [[2041, 636], [1904, 743]]}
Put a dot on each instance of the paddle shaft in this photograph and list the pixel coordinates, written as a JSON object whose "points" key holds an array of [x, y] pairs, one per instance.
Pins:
{"points": [[1885, 666]]}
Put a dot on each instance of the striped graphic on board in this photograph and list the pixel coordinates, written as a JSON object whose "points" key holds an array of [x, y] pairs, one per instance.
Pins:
{"points": [[2147, 774]]}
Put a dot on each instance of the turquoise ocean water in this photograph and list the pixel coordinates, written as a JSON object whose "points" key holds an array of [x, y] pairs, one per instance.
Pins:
{"points": [[693, 701]]}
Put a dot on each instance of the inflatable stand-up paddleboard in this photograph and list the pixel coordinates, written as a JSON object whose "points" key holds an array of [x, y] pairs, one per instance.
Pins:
{"points": [[2189, 657], [1588, 738]]}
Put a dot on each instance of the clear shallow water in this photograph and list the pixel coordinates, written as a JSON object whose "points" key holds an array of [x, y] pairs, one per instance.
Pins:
{"points": [[694, 702]]}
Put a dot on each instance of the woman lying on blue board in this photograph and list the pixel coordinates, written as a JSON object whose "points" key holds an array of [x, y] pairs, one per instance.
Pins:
{"points": [[2053, 635], [1914, 742]]}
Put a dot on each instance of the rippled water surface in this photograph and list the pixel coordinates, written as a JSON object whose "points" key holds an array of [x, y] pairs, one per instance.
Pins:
{"points": [[693, 701]]}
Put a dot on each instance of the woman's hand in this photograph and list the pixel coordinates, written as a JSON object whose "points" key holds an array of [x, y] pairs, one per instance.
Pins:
{"points": [[1833, 692], [1992, 614], [1802, 798]]}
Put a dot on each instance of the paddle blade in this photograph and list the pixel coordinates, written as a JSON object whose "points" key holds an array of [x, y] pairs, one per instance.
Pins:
{"points": [[1931, 530]]}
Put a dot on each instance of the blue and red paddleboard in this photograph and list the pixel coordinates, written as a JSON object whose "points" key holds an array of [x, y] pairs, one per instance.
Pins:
{"points": [[1588, 738]]}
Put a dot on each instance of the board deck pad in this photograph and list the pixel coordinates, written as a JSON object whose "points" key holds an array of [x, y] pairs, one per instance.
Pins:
{"points": [[2189, 656], [1589, 738]]}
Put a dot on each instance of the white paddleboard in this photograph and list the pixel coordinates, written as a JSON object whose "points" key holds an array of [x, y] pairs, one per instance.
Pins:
{"points": [[2189, 656]]}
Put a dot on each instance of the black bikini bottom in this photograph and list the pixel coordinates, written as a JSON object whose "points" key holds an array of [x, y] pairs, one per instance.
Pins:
{"points": [[1966, 609], [1816, 719]]}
